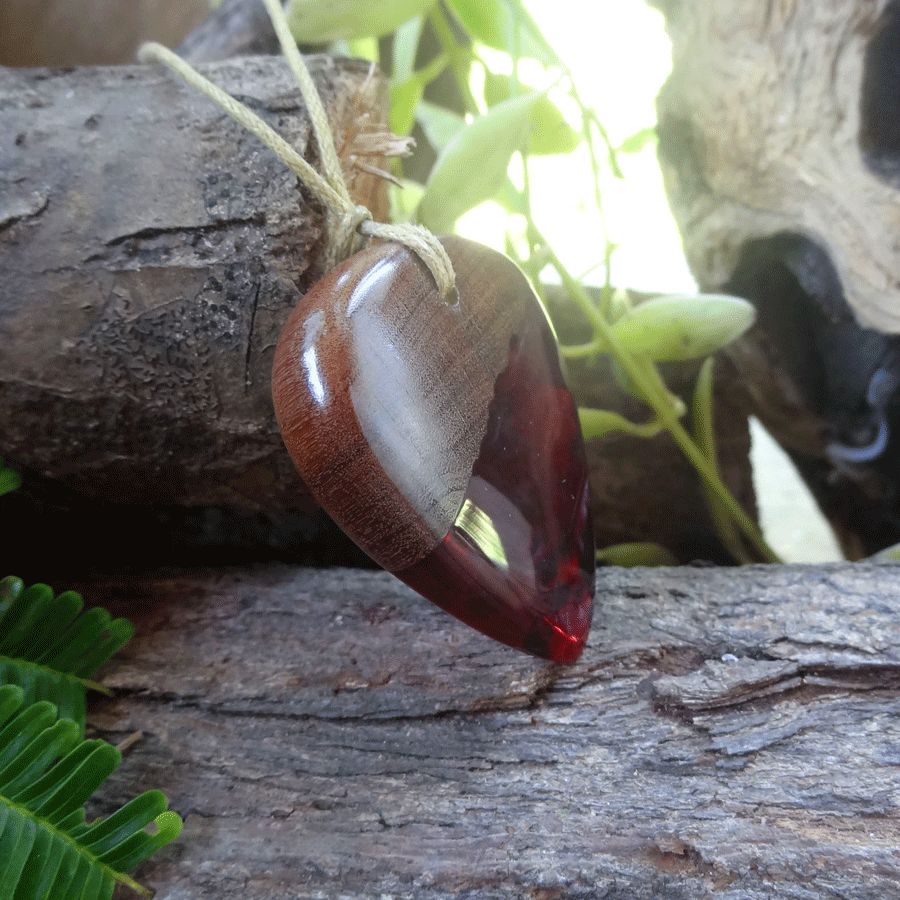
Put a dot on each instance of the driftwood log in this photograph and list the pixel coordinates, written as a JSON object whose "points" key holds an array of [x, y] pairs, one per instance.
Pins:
{"points": [[151, 251], [328, 734], [778, 117], [779, 143]]}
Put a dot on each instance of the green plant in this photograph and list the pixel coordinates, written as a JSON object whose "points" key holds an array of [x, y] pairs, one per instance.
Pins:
{"points": [[47, 772], [483, 146], [50, 649], [9, 480]]}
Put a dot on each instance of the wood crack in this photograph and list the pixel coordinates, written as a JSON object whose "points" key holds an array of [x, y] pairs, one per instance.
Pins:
{"points": [[720, 684]]}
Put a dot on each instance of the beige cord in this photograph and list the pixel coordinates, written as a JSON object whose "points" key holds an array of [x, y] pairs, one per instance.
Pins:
{"points": [[348, 219], [422, 242], [324, 138]]}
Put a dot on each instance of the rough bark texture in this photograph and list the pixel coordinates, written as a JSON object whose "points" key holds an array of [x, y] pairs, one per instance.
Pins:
{"points": [[151, 251], [727, 734]]}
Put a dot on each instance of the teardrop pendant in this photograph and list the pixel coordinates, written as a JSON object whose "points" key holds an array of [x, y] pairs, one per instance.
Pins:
{"points": [[440, 435]]}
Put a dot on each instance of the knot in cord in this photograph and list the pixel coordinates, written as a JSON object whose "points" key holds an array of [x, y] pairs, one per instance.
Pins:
{"points": [[344, 233]]}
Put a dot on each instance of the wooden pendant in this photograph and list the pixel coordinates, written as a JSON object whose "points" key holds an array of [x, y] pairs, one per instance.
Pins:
{"points": [[440, 435]]}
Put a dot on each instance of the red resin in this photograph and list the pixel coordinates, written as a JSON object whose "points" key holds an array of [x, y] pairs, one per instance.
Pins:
{"points": [[518, 563]]}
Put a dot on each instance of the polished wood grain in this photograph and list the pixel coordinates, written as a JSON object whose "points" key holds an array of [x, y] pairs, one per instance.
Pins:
{"points": [[382, 387]]}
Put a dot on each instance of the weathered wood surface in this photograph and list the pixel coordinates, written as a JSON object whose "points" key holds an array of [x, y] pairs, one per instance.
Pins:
{"points": [[150, 251], [327, 734], [774, 121], [780, 149]]}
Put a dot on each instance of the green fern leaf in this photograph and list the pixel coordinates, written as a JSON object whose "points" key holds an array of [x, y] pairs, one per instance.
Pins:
{"points": [[47, 772], [9, 480], [51, 649]]}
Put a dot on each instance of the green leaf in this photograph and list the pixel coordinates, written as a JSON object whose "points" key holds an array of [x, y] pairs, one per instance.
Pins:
{"points": [[636, 142], [550, 132], [50, 649], [405, 98], [472, 167], [406, 43], [46, 851], [497, 24], [141, 844], [9, 480], [683, 326], [363, 48], [407, 94], [640, 553], [439, 124], [108, 834], [323, 21], [42, 748], [496, 88]]}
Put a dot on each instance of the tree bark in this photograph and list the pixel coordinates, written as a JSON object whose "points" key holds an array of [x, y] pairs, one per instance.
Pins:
{"points": [[727, 734], [151, 251]]}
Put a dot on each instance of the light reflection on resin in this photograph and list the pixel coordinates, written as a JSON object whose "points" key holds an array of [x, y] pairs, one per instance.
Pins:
{"points": [[518, 563]]}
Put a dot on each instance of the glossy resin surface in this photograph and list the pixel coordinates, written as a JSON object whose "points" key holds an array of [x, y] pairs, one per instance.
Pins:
{"points": [[518, 561], [441, 437]]}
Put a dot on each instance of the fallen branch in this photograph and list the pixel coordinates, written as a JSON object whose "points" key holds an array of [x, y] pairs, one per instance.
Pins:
{"points": [[329, 734]]}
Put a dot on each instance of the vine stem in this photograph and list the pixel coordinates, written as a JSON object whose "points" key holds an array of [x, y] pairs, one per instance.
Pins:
{"points": [[663, 409]]}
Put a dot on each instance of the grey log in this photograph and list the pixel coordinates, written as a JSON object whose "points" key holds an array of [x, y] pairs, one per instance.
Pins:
{"points": [[234, 28], [728, 734], [150, 251]]}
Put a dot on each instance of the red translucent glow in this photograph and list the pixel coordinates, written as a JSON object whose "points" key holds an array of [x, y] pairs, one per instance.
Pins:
{"points": [[518, 563]]}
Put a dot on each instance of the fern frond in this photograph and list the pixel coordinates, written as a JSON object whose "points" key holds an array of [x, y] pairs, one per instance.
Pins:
{"points": [[9, 480], [46, 774], [49, 648]]}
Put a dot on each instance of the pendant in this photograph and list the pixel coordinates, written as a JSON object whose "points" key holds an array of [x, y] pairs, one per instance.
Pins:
{"points": [[439, 434]]}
